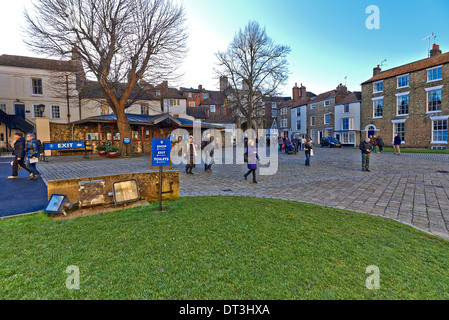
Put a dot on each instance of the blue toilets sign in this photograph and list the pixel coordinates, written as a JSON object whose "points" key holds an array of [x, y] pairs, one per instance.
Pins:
{"points": [[161, 149], [64, 145]]}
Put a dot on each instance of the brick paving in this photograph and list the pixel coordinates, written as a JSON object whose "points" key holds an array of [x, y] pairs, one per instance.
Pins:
{"points": [[411, 188]]}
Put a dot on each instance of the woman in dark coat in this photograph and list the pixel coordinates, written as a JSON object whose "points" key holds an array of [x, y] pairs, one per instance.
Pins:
{"points": [[308, 147], [252, 160], [380, 144], [190, 155], [19, 154]]}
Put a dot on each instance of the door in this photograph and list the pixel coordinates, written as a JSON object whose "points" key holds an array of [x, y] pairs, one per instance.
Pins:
{"points": [[320, 136], [20, 110]]}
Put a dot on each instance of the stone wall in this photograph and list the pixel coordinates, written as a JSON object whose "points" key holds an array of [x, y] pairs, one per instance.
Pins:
{"points": [[148, 183]]}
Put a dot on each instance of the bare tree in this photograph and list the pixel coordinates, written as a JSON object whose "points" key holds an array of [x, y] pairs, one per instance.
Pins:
{"points": [[120, 43], [256, 68]]}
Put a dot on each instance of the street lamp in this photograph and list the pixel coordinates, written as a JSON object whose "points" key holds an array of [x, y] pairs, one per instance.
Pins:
{"points": [[41, 109]]}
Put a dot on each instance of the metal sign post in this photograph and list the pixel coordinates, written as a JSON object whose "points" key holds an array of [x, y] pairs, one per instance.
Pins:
{"points": [[160, 150]]}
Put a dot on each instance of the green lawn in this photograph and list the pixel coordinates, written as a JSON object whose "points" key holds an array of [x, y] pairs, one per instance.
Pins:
{"points": [[221, 248], [406, 150]]}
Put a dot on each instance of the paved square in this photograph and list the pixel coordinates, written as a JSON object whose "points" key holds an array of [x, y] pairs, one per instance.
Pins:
{"points": [[411, 188]]}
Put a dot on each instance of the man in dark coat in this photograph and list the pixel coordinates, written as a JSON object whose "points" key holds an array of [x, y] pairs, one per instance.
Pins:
{"points": [[19, 155], [366, 148]]}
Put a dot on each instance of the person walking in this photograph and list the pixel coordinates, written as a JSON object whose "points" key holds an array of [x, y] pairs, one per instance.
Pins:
{"points": [[308, 150], [374, 143], [287, 144], [251, 151], [209, 160], [380, 144], [397, 144], [190, 155], [295, 142], [19, 155], [32, 156], [281, 144], [366, 148]]}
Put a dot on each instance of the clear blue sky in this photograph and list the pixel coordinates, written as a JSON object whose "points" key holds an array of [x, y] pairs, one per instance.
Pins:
{"points": [[328, 38]]}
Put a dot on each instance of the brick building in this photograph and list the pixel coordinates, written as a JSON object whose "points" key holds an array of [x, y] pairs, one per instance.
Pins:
{"points": [[321, 115], [411, 100]]}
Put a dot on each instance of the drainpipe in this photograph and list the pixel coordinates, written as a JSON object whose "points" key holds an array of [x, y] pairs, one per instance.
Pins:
{"points": [[73, 129]]}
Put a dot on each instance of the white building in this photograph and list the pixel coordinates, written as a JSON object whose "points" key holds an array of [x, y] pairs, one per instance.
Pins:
{"points": [[347, 120], [299, 121]]}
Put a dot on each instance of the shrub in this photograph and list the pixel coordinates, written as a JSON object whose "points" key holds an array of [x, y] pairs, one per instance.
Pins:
{"points": [[112, 149], [101, 148]]}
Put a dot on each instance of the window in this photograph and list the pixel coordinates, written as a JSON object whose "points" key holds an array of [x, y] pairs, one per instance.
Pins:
{"points": [[378, 108], [327, 118], [312, 106], [399, 128], [36, 87], [144, 109], [2, 137], [204, 96], [378, 86], [274, 105], [348, 138], [327, 103], [158, 93], [312, 121], [434, 100], [312, 133], [298, 125], [37, 112], [403, 105], [3, 107], [298, 112], [403, 81], [212, 108], [274, 113], [55, 112], [435, 74], [284, 123], [346, 124], [346, 108], [190, 95], [440, 131], [192, 104], [104, 109]]}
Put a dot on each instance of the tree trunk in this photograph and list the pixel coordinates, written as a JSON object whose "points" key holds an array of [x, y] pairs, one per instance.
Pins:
{"points": [[125, 132]]}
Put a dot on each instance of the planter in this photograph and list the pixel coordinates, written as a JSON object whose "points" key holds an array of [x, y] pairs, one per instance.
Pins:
{"points": [[102, 153], [112, 154]]}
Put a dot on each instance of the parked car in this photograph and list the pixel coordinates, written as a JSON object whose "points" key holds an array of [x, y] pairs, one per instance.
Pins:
{"points": [[330, 142]]}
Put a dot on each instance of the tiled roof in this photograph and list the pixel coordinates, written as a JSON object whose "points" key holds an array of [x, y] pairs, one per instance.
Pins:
{"points": [[352, 97], [132, 119], [92, 90], [411, 67], [324, 96], [37, 63]]}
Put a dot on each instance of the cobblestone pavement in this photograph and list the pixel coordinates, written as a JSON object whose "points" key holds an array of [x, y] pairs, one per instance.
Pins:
{"points": [[411, 188]]}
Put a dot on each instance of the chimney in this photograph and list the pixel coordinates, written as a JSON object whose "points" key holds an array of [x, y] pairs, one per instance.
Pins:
{"points": [[223, 83], [302, 92], [435, 50], [200, 87], [296, 90], [342, 90], [376, 70]]}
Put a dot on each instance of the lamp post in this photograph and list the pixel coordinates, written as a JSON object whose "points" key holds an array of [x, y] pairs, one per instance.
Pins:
{"points": [[41, 109]]}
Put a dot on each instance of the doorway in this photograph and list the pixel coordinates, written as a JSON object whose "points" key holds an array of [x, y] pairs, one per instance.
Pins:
{"points": [[20, 110]]}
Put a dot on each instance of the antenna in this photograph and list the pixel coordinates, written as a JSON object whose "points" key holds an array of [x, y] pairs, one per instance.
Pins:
{"points": [[429, 37], [382, 63], [346, 80]]}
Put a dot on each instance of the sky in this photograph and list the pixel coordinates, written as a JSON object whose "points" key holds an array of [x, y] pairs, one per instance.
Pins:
{"points": [[329, 39]]}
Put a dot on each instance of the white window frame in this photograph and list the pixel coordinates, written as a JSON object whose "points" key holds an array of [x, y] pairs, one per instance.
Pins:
{"points": [[51, 111], [327, 103], [398, 96], [350, 124], [396, 122], [374, 110], [374, 86], [212, 108], [327, 122], [5, 109], [34, 111], [312, 106], [403, 76], [434, 119], [434, 68], [300, 125], [312, 121], [32, 88], [298, 112], [346, 106], [428, 90]]}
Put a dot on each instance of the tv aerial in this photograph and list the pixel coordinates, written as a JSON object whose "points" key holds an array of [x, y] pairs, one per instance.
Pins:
{"points": [[429, 38]]}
